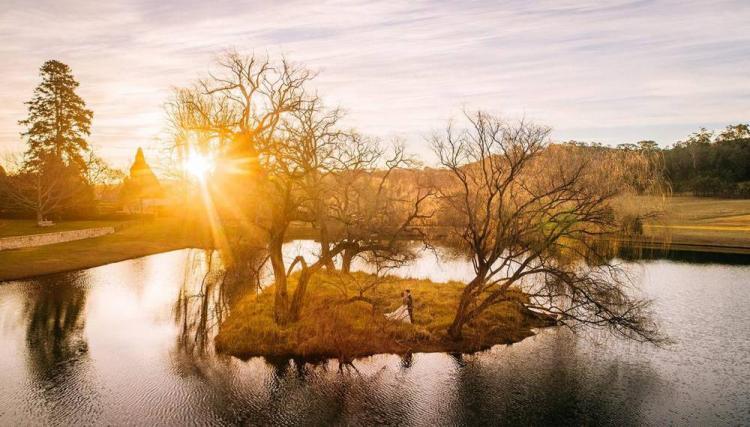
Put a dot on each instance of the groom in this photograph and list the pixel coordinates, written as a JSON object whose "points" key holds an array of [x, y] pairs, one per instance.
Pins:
{"points": [[410, 305]]}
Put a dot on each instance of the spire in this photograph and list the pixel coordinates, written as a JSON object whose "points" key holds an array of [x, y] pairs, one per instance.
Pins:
{"points": [[142, 178], [140, 167], [139, 157]]}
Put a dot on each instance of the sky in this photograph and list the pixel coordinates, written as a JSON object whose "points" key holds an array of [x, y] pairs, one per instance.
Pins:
{"points": [[606, 71]]}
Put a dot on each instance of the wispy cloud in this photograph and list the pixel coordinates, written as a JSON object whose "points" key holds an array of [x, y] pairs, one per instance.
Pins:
{"points": [[612, 71]]}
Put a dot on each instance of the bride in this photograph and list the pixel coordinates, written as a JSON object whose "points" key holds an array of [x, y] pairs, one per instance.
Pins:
{"points": [[401, 313]]}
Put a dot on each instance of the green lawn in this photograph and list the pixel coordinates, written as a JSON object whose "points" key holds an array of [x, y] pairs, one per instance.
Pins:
{"points": [[22, 227], [132, 239]]}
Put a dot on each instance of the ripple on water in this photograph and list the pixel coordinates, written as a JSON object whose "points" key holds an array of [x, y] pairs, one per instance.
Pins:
{"points": [[115, 358]]}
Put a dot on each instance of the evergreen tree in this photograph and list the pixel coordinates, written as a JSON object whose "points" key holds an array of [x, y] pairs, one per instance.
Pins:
{"points": [[58, 121]]}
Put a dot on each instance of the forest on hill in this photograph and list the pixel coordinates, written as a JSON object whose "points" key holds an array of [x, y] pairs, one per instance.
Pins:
{"points": [[704, 164]]}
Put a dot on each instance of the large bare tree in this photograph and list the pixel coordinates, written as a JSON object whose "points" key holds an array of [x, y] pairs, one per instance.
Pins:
{"points": [[280, 154], [314, 162], [237, 114], [534, 216]]}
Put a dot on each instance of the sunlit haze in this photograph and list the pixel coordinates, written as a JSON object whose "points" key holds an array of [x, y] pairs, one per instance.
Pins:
{"points": [[198, 165], [616, 72]]}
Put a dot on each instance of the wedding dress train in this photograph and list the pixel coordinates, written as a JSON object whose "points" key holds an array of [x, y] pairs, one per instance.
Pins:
{"points": [[400, 314]]}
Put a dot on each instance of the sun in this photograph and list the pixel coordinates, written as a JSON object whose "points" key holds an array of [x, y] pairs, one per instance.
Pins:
{"points": [[198, 165]]}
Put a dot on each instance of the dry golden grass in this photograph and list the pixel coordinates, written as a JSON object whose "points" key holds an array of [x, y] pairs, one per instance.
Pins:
{"points": [[699, 223], [333, 325]]}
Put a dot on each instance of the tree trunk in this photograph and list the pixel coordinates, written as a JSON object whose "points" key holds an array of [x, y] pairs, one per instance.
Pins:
{"points": [[346, 260], [298, 298], [39, 209], [325, 247], [281, 297], [325, 255], [456, 328], [461, 317]]}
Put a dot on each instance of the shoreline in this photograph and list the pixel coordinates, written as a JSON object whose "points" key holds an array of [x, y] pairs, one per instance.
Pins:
{"points": [[135, 240], [28, 263], [129, 241], [73, 268], [335, 323], [666, 247], [323, 358]]}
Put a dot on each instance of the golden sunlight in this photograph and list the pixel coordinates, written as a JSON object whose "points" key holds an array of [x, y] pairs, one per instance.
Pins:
{"points": [[198, 165]]}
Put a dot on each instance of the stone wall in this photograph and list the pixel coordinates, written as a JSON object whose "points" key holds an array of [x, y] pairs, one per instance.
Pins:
{"points": [[15, 242]]}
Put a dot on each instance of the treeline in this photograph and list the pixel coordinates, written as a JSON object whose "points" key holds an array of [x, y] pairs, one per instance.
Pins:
{"points": [[708, 165], [704, 164]]}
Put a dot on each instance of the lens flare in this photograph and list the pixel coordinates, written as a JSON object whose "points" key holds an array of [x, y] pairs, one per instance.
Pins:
{"points": [[199, 165]]}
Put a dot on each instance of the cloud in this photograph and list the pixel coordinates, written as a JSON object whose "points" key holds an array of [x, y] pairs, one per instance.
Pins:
{"points": [[613, 71]]}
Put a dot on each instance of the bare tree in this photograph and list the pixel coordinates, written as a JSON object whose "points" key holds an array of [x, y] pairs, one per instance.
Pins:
{"points": [[46, 189], [379, 207], [318, 162], [533, 217], [281, 155], [237, 113]]}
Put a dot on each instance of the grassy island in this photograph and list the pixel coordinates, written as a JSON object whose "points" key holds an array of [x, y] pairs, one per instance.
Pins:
{"points": [[338, 322]]}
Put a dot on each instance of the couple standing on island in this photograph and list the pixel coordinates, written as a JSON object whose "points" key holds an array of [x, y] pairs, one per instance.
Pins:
{"points": [[405, 313]]}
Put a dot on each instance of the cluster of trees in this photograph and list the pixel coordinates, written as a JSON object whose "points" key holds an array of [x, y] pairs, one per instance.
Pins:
{"points": [[705, 163], [528, 214], [712, 165], [57, 174], [282, 158]]}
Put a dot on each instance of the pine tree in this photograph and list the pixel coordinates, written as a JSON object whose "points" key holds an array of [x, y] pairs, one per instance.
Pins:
{"points": [[58, 121], [53, 180]]}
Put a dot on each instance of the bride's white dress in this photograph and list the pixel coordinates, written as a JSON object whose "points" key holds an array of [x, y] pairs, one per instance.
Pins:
{"points": [[401, 314]]}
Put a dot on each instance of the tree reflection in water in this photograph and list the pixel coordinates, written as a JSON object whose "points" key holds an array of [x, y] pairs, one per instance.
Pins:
{"points": [[565, 381], [208, 290], [57, 349], [551, 378]]}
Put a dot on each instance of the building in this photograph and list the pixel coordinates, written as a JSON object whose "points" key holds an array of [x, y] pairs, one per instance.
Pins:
{"points": [[142, 192]]}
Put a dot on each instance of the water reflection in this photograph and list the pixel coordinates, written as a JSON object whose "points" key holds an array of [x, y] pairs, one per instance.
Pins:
{"points": [[200, 305], [57, 351], [131, 343], [501, 387], [55, 325], [207, 290], [691, 257], [558, 385]]}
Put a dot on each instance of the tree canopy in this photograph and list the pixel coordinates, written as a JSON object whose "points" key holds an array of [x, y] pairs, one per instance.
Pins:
{"points": [[58, 121]]}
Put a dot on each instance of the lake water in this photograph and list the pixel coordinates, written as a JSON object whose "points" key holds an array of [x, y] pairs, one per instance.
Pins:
{"points": [[130, 343]]}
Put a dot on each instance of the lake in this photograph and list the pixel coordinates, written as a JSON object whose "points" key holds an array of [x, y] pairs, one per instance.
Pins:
{"points": [[130, 343]]}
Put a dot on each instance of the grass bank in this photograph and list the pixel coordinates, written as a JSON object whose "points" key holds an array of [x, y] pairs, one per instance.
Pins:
{"points": [[335, 324], [132, 239], [700, 224]]}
